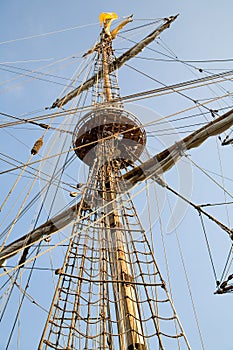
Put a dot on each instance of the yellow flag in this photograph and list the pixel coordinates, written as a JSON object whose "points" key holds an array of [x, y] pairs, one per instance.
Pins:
{"points": [[107, 16]]}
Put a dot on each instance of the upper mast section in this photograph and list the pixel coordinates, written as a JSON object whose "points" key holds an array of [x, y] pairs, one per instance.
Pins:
{"points": [[108, 35], [105, 56], [108, 120]]}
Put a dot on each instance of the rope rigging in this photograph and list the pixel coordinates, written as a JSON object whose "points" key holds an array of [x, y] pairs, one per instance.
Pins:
{"points": [[109, 288]]}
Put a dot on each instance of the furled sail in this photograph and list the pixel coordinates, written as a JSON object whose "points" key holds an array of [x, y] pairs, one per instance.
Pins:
{"points": [[152, 168], [120, 61], [164, 160], [53, 225]]}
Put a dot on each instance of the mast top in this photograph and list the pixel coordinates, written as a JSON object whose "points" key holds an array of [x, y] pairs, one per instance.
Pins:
{"points": [[106, 19]]}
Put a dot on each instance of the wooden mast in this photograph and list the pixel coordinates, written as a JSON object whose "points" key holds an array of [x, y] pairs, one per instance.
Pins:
{"points": [[127, 306]]}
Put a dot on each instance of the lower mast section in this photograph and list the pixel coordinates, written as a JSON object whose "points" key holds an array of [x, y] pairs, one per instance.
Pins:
{"points": [[110, 293], [126, 306]]}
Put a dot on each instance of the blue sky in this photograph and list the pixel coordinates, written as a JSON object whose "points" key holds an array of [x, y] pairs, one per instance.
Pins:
{"points": [[203, 31]]}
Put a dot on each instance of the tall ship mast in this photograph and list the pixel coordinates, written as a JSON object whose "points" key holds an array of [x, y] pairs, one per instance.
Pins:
{"points": [[108, 290]]}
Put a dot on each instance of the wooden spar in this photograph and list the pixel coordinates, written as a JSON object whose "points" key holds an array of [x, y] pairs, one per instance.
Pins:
{"points": [[53, 225], [153, 167], [166, 159], [116, 64]]}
